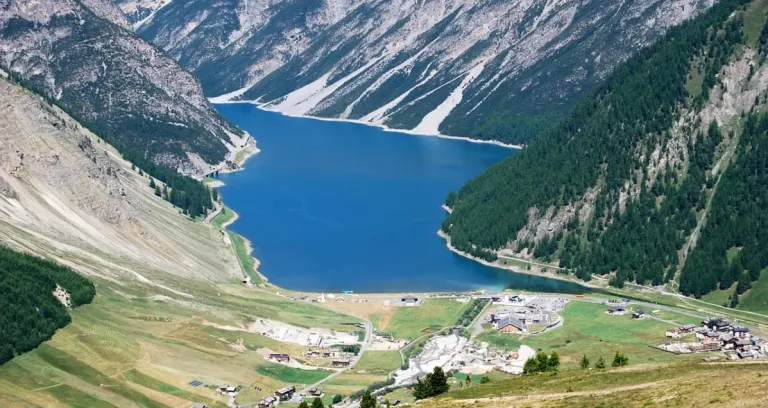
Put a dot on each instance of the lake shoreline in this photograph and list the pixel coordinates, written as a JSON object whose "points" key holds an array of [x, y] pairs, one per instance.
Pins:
{"points": [[547, 275], [435, 289], [374, 125]]}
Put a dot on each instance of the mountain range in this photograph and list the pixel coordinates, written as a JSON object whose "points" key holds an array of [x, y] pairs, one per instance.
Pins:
{"points": [[485, 69]]}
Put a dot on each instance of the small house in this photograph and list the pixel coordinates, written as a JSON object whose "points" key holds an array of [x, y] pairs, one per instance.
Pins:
{"points": [[227, 390], [616, 310], [314, 392], [285, 393], [747, 354], [511, 324], [199, 406], [717, 324], [340, 363], [409, 300], [638, 315], [280, 357]]}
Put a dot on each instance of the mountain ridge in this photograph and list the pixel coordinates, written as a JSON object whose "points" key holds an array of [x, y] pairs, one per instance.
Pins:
{"points": [[453, 68]]}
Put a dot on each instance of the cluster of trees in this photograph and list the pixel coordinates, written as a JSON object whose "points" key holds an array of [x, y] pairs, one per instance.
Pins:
{"points": [[598, 144], [191, 196], [316, 403], [619, 360], [434, 383], [29, 312], [470, 313], [349, 348], [542, 363], [737, 221]]}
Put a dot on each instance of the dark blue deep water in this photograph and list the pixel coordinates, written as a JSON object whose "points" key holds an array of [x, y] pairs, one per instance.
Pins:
{"points": [[333, 206]]}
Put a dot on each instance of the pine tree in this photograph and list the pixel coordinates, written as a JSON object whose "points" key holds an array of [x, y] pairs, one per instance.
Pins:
{"points": [[734, 300], [554, 362], [438, 382], [303, 404], [157, 191], [531, 366], [600, 364], [744, 284], [584, 362], [368, 400], [620, 360], [152, 183], [317, 403]]}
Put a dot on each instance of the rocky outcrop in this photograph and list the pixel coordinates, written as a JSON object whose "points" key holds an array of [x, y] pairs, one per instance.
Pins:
{"points": [[81, 57]]}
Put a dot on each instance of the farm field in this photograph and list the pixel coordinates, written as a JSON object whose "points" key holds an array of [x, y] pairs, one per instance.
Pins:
{"points": [[382, 362], [589, 330], [413, 322]]}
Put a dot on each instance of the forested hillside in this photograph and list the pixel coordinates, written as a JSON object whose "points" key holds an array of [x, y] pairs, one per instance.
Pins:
{"points": [[29, 312], [621, 186]]}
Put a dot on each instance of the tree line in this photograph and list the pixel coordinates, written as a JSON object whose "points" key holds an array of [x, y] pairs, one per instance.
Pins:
{"points": [[29, 312]]}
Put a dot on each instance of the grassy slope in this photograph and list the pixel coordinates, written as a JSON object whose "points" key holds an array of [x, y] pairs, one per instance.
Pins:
{"points": [[680, 385], [147, 348]]}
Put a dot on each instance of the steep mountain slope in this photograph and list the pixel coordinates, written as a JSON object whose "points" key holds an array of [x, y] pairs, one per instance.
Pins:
{"points": [[482, 68], [81, 56], [169, 305], [66, 194], [645, 173]]}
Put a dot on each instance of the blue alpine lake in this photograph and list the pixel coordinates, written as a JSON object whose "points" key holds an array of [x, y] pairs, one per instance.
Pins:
{"points": [[332, 206]]}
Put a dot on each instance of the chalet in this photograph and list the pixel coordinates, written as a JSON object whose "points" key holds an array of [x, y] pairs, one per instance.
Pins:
{"points": [[616, 310], [227, 390], [268, 402], [280, 357], [314, 392], [740, 332], [717, 324], [340, 363], [511, 324], [638, 315], [740, 344], [285, 393]]}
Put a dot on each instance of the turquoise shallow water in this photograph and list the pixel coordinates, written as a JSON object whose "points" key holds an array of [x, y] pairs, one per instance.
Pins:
{"points": [[333, 206]]}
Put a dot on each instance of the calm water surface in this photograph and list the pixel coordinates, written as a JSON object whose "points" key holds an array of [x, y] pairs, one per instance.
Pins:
{"points": [[333, 206]]}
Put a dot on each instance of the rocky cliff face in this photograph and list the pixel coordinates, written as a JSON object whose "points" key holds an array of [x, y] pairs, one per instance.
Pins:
{"points": [[81, 57], [480, 68]]}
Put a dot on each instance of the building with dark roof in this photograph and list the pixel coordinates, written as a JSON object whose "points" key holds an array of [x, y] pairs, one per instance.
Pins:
{"points": [[510, 324]]}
